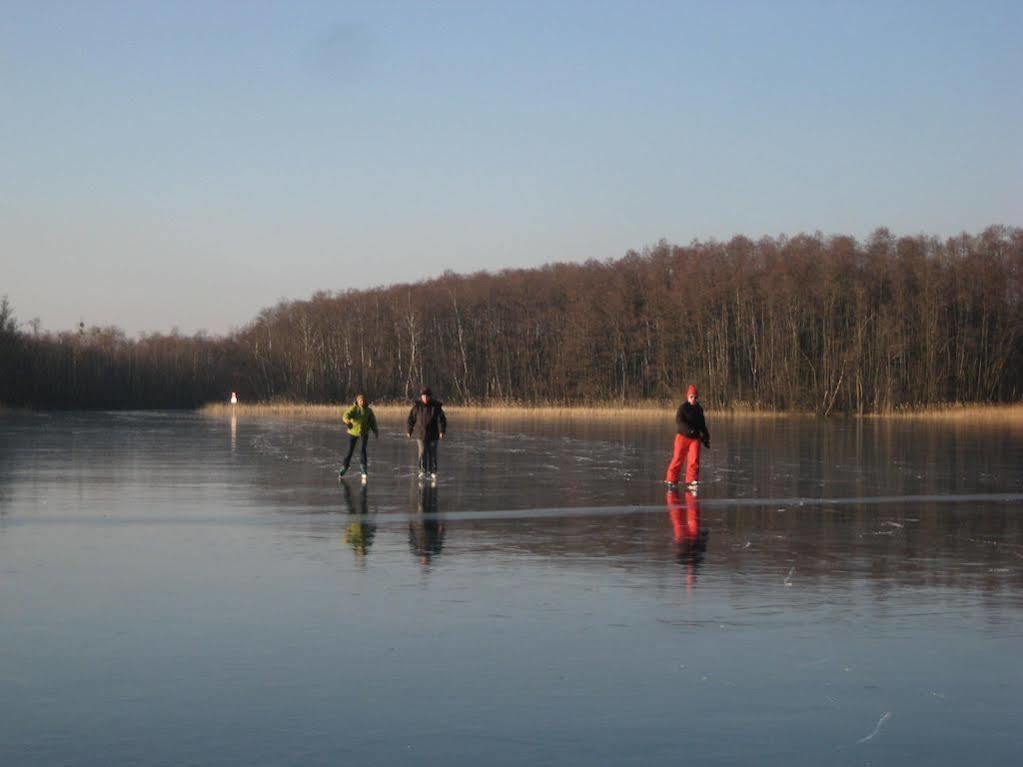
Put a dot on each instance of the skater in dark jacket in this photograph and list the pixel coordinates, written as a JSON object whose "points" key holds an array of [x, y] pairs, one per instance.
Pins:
{"points": [[692, 432], [427, 423]]}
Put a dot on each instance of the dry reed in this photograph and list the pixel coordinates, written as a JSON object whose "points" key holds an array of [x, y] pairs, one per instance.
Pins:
{"points": [[1010, 414], [645, 410]]}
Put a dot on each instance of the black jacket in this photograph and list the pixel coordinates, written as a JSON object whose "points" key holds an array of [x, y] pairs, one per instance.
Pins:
{"points": [[690, 423], [427, 420]]}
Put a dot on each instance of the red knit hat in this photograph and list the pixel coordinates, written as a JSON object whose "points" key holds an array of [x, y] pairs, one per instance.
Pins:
{"points": [[691, 391]]}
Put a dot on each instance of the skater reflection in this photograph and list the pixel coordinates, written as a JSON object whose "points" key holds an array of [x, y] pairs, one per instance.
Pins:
{"points": [[425, 530], [690, 540], [360, 533]]}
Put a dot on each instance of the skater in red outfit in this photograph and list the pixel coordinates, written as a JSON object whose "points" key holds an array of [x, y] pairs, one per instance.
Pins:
{"points": [[692, 432]]}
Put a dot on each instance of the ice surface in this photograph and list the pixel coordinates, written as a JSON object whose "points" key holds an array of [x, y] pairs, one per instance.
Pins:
{"points": [[175, 589]]}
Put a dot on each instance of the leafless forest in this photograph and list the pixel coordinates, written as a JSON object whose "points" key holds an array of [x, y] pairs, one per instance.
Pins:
{"points": [[824, 324]]}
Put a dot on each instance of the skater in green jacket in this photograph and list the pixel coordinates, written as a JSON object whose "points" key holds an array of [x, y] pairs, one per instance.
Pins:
{"points": [[360, 421]]}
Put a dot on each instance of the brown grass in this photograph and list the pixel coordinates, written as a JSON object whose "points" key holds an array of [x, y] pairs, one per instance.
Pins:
{"points": [[646, 410], [1011, 414], [958, 411], [280, 410]]}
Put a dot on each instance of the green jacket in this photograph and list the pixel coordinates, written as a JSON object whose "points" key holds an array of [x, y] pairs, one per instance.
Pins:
{"points": [[362, 419]]}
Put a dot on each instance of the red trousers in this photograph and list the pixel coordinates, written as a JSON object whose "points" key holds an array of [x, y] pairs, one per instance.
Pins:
{"points": [[687, 450]]}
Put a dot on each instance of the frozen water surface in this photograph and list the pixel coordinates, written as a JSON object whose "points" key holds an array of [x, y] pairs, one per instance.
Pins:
{"points": [[179, 590]]}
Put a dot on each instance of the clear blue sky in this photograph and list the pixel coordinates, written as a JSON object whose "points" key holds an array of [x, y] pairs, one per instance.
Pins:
{"points": [[188, 163]]}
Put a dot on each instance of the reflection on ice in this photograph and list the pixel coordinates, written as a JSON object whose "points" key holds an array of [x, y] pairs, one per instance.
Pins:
{"points": [[360, 531], [425, 528], [690, 539]]}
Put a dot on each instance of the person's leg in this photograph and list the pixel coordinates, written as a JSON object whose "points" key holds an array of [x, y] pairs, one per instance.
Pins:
{"points": [[677, 456], [432, 454], [363, 456], [692, 461], [351, 449], [421, 444]]}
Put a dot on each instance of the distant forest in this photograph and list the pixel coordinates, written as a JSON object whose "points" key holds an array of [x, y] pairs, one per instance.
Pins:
{"points": [[824, 324]]}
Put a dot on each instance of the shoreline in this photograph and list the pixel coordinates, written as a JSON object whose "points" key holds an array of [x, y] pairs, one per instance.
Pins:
{"points": [[1003, 413]]}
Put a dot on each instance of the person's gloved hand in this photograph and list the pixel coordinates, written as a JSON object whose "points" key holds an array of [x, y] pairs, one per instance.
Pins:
{"points": [[706, 443]]}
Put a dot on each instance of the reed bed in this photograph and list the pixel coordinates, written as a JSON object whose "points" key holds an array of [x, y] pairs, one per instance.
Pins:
{"points": [[645, 410], [1009, 414], [285, 410]]}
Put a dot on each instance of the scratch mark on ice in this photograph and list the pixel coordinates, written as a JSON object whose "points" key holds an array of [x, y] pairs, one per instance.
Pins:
{"points": [[880, 723]]}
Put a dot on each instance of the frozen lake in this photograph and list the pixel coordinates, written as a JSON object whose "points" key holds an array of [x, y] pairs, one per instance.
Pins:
{"points": [[181, 590]]}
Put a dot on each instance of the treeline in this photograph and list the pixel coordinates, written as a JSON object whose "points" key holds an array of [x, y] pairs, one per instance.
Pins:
{"points": [[807, 322], [101, 368]]}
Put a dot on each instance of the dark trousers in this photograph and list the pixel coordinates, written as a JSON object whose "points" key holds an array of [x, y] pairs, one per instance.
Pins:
{"points": [[427, 455], [363, 458]]}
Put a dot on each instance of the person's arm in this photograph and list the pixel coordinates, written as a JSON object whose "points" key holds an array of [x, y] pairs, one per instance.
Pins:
{"points": [[703, 428], [411, 421], [442, 420], [347, 417], [373, 423]]}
